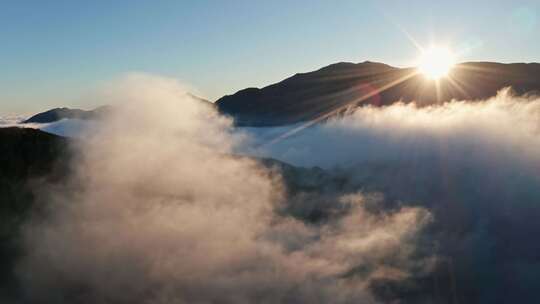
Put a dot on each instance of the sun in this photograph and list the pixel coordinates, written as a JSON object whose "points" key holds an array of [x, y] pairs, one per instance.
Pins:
{"points": [[436, 62]]}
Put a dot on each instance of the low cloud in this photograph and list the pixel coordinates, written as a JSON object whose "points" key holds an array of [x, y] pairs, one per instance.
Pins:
{"points": [[159, 210], [504, 126], [475, 165], [414, 204], [10, 120]]}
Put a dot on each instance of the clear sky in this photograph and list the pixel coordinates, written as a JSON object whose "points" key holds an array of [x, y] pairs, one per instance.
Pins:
{"points": [[52, 52]]}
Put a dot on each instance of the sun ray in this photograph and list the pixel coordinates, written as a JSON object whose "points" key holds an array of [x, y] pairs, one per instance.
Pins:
{"points": [[458, 86], [438, 90], [326, 115]]}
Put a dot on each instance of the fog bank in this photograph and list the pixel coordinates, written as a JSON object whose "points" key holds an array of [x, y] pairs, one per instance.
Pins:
{"points": [[159, 210]]}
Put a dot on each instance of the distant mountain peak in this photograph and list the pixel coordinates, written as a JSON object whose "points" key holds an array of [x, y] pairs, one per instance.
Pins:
{"points": [[306, 96], [59, 113], [66, 113], [343, 65]]}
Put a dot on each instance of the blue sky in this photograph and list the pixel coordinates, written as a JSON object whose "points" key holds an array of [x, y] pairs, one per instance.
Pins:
{"points": [[53, 53]]}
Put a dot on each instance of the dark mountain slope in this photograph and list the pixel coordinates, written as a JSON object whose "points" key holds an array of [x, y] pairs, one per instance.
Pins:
{"points": [[307, 96], [26, 152], [27, 157]]}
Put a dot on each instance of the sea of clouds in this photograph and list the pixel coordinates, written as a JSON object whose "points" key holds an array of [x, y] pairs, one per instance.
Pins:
{"points": [[412, 205], [74, 128], [475, 166], [158, 210], [10, 120]]}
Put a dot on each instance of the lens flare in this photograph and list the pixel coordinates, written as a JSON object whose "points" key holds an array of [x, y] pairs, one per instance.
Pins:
{"points": [[436, 62]]}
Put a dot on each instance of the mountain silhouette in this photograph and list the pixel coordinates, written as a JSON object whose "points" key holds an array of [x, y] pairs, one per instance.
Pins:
{"points": [[57, 114], [342, 86], [29, 159], [67, 113]]}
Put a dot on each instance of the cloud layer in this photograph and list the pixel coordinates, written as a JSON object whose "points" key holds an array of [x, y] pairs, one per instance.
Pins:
{"points": [[159, 210], [502, 127], [474, 165], [414, 204]]}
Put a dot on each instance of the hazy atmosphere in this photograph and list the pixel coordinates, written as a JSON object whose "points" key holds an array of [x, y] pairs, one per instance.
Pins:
{"points": [[237, 152]]}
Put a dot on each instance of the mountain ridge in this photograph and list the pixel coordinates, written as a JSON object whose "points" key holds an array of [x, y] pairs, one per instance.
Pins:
{"points": [[56, 114], [307, 96], [339, 87], [59, 113]]}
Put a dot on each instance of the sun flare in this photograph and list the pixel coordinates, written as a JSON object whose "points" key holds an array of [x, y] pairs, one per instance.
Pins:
{"points": [[436, 62]]}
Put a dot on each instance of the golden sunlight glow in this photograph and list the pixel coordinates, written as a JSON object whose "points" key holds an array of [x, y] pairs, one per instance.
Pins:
{"points": [[436, 62]]}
